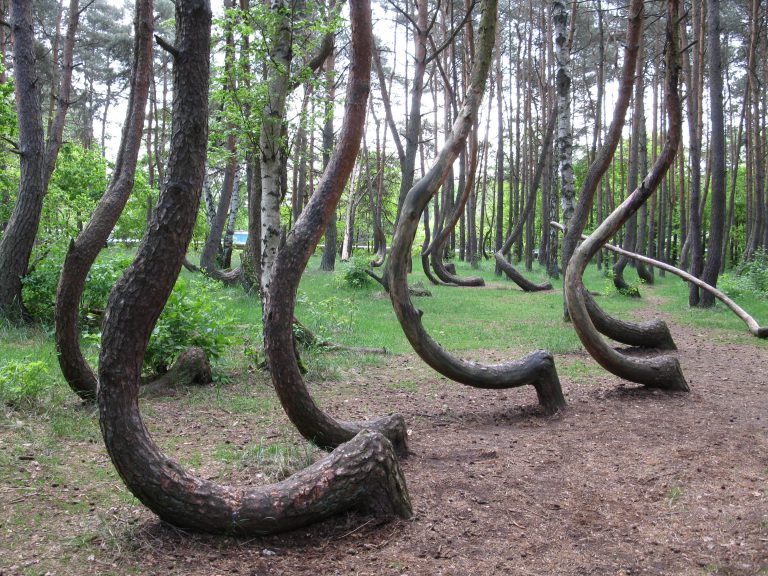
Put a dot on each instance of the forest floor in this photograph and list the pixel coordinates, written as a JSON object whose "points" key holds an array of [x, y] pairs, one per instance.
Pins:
{"points": [[625, 481]]}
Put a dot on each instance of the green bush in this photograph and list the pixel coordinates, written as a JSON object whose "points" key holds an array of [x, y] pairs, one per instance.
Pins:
{"points": [[195, 315], [355, 275], [40, 285], [22, 383], [751, 279]]}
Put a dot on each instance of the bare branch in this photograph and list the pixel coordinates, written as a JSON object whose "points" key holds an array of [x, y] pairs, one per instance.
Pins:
{"points": [[452, 36], [165, 45]]}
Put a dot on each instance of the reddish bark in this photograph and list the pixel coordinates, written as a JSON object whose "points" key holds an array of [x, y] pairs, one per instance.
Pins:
{"points": [[84, 249], [362, 474], [291, 260]]}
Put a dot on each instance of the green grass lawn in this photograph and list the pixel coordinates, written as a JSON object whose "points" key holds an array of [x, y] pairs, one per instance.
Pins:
{"points": [[497, 317]]}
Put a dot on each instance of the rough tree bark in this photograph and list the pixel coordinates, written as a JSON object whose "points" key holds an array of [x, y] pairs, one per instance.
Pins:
{"points": [[84, 249], [19, 237], [362, 474], [538, 368], [664, 371], [37, 156], [292, 258]]}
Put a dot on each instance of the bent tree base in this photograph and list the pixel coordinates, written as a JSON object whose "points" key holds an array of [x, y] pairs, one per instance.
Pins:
{"points": [[362, 474], [538, 368], [663, 371]]}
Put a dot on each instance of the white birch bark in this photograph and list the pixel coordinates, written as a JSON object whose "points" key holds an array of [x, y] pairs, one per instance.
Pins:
{"points": [[564, 142], [271, 142]]}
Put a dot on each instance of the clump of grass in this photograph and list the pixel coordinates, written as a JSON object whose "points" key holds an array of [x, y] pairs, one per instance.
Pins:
{"points": [[674, 493], [278, 460]]}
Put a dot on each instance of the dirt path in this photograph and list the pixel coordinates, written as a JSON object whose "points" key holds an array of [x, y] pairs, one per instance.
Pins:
{"points": [[626, 481]]}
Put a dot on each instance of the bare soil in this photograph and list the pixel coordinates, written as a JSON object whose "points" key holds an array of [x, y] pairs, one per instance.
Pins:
{"points": [[626, 481]]}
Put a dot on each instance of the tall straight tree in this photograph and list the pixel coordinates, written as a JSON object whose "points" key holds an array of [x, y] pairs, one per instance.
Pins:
{"points": [[271, 144], [328, 261], [694, 80], [564, 141], [717, 142]]}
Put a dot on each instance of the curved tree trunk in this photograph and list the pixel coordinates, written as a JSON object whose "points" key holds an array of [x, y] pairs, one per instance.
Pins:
{"points": [[630, 229], [280, 299], [435, 250], [603, 158], [212, 246], [85, 248], [363, 474], [754, 328], [652, 334], [538, 368], [664, 371], [530, 202]]}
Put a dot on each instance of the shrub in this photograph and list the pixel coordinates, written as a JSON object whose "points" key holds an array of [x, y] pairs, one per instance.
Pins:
{"points": [[22, 383], [751, 279], [355, 274], [40, 285], [194, 316]]}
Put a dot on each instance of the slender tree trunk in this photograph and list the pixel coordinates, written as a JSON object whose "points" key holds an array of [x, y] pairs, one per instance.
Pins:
{"points": [[694, 81], [499, 237], [85, 248], [212, 245], [716, 231], [37, 159], [564, 140], [19, 237], [272, 145], [328, 261]]}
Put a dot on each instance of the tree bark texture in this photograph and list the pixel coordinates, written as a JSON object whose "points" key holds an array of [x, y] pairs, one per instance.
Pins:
{"points": [[754, 328], [19, 236], [328, 260], [362, 474], [84, 249], [538, 368], [280, 299], [564, 143], [664, 371], [271, 139]]}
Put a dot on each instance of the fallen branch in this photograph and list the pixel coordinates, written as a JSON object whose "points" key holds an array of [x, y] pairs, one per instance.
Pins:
{"points": [[754, 327]]}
